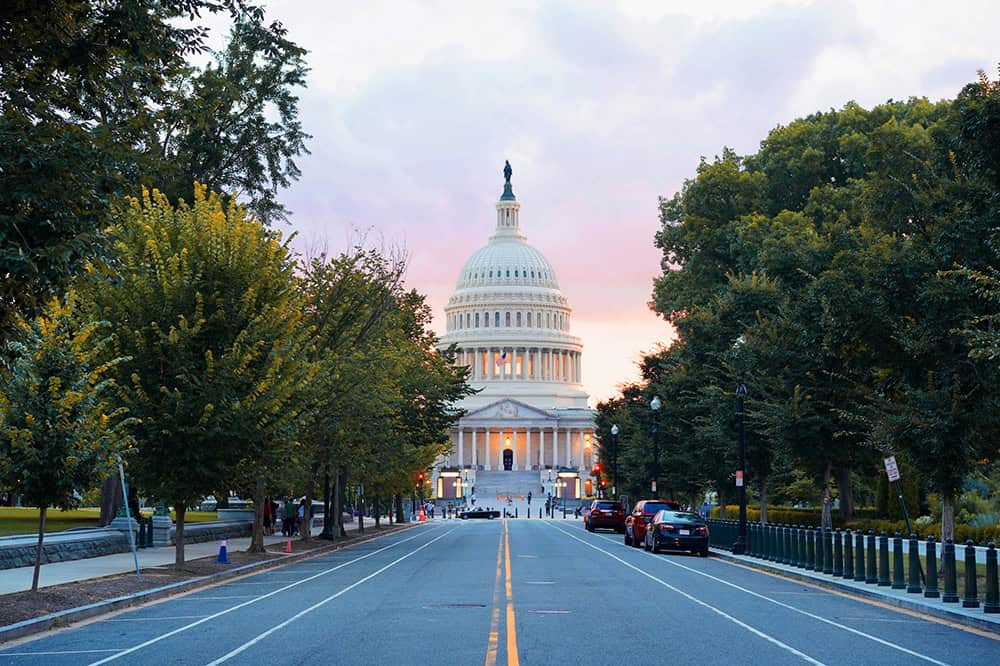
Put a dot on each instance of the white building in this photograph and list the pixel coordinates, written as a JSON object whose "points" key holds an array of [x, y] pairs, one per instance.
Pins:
{"points": [[529, 426]]}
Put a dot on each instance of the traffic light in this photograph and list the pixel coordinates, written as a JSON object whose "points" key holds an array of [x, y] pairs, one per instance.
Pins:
{"points": [[597, 469], [420, 476]]}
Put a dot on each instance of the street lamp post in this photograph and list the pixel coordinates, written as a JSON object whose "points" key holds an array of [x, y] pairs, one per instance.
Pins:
{"points": [[614, 461], [739, 548], [654, 406]]}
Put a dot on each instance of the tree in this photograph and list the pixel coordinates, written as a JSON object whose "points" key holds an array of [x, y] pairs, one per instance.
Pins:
{"points": [[204, 302], [59, 423], [97, 99]]}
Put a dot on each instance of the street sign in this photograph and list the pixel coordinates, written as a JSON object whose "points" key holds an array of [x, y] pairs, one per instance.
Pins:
{"points": [[739, 477], [891, 469], [652, 487]]}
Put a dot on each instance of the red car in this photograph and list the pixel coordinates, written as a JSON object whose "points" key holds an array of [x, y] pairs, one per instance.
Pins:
{"points": [[641, 516], [605, 513]]}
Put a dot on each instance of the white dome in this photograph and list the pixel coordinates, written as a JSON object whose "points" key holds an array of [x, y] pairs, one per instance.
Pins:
{"points": [[507, 262]]}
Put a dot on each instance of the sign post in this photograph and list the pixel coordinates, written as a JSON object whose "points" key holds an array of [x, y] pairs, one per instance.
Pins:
{"points": [[892, 469], [652, 487]]}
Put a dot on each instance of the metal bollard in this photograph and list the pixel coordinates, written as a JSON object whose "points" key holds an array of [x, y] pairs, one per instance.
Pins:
{"points": [[810, 553], [898, 580], [883, 560], [752, 539], [848, 555], [828, 551], [915, 571], [818, 564], [769, 541], [859, 556], [971, 598], [870, 551], [838, 554], [950, 575], [931, 592], [789, 545], [802, 547], [992, 604], [780, 556]]}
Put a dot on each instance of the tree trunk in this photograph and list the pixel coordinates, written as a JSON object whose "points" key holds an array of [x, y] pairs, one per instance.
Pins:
{"points": [[378, 512], [826, 519], [360, 506], [327, 532], [947, 515], [111, 499], [845, 486], [399, 509], [763, 501], [722, 502], [179, 509], [306, 527], [257, 540], [338, 497], [42, 511]]}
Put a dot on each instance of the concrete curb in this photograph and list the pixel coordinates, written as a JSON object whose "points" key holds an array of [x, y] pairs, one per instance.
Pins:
{"points": [[943, 613], [70, 615]]}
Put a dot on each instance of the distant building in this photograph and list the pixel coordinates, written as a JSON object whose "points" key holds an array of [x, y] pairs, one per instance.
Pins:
{"points": [[511, 325]]}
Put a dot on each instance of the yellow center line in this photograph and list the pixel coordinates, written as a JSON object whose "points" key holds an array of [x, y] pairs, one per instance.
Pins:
{"points": [[512, 658], [494, 638]]}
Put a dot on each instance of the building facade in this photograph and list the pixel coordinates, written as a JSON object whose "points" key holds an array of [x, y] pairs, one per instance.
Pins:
{"points": [[510, 324]]}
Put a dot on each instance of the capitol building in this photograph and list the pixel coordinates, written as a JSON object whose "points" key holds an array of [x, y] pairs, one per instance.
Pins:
{"points": [[528, 428]]}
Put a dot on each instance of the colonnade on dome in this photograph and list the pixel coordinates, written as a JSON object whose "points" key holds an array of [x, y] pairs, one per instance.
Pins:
{"points": [[522, 364], [531, 447]]}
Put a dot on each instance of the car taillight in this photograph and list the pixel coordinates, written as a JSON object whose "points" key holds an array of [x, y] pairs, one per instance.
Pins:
{"points": [[703, 529], [666, 527]]}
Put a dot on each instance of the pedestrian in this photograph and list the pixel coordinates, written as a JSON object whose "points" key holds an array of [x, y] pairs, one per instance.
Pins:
{"points": [[289, 521], [268, 512], [302, 522], [529, 498]]}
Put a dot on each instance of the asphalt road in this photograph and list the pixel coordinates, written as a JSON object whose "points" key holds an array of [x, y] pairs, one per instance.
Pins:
{"points": [[508, 592]]}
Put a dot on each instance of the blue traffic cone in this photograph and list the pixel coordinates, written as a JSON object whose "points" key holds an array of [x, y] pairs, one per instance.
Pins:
{"points": [[223, 554]]}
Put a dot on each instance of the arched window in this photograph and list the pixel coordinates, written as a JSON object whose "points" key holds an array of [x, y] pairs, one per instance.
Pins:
{"points": [[477, 320], [468, 319], [548, 320], [538, 319], [519, 320], [515, 272], [508, 272], [491, 273], [507, 319], [486, 319], [529, 320], [496, 319], [532, 275]]}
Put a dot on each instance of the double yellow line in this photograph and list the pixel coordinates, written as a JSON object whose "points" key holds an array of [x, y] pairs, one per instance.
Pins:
{"points": [[503, 567]]}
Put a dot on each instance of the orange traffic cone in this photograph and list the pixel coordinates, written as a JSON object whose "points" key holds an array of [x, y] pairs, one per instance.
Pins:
{"points": [[423, 516], [288, 546]]}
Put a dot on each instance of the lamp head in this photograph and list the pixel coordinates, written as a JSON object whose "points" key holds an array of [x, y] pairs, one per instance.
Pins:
{"points": [[741, 390], [614, 430], [655, 403]]}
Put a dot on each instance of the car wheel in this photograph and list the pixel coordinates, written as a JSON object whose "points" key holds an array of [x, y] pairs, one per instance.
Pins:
{"points": [[635, 542], [703, 552], [656, 546], [590, 528], [645, 543]]}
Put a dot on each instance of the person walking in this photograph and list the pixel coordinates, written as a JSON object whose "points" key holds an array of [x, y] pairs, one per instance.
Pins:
{"points": [[268, 512], [289, 518]]}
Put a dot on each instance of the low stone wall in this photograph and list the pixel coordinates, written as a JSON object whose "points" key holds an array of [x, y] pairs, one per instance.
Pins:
{"points": [[19, 551], [214, 531]]}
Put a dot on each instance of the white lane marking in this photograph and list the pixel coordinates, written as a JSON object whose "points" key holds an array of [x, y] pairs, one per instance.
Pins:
{"points": [[717, 611], [154, 619], [539, 582], [35, 654], [254, 641], [234, 596], [159, 638], [857, 632]]}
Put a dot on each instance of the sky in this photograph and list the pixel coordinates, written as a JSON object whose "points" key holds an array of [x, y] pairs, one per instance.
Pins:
{"points": [[601, 108]]}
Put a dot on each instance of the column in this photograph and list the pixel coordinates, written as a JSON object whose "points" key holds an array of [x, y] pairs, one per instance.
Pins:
{"points": [[569, 447], [513, 448], [538, 364], [555, 446], [475, 449], [527, 448], [461, 448], [582, 466], [488, 461]]}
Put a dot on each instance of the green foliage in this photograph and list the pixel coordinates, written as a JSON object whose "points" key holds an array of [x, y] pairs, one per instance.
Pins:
{"points": [[98, 98], [59, 425], [203, 301]]}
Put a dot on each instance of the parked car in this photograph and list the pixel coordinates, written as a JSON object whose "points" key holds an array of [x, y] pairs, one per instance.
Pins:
{"points": [[607, 514], [681, 530], [642, 514]]}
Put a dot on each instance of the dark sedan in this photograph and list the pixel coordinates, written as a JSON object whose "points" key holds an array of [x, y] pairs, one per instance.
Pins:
{"points": [[678, 530]]}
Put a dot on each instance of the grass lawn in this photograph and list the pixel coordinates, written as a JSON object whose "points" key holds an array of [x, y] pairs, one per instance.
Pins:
{"points": [[24, 520]]}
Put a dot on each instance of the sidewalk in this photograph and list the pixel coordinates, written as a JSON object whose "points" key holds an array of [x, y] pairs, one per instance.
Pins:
{"points": [[57, 573], [901, 598]]}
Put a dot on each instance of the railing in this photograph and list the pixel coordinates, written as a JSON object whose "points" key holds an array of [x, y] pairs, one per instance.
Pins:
{"points": [[865, 558]]}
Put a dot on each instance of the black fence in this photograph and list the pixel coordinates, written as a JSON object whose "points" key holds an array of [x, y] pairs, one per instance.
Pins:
{"points": [[865, 557]]}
